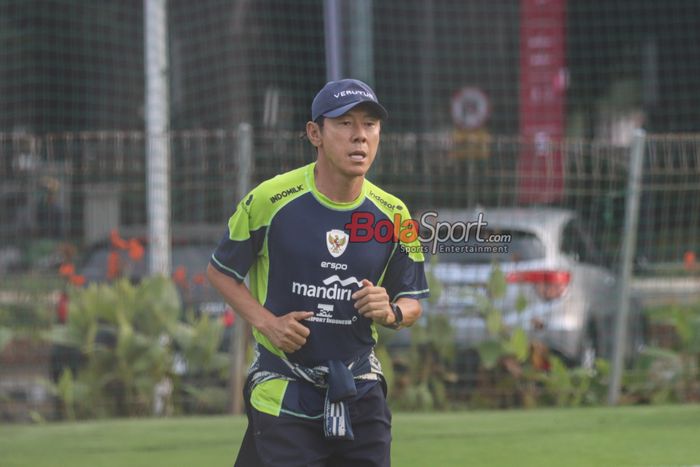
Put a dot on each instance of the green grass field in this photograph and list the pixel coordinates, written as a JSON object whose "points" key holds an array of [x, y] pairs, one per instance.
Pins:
{"points": [[628, 436]]}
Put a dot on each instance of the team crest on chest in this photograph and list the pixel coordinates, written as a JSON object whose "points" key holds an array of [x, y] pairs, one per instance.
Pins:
{"points": [[336, 241]]}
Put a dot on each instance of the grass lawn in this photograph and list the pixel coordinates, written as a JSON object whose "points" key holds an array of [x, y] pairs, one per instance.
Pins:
{"points": [[628, 436]]}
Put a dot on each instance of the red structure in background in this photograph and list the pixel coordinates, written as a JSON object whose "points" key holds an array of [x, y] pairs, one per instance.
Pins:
{"points": [[542, 93]]}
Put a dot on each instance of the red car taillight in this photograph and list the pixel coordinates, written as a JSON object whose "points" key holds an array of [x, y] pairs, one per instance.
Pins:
{"points": [[62, 308], [228, 317], [548, 284]]}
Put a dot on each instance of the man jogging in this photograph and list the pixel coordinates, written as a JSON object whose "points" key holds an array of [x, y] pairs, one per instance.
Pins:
{"points": [[328, 259]]}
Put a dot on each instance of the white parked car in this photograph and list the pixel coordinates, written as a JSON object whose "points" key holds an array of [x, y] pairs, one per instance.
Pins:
{"points": [[551, 266]]}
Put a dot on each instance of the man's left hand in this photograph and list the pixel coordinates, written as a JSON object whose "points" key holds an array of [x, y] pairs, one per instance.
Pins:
{"points": [[373, 302]]}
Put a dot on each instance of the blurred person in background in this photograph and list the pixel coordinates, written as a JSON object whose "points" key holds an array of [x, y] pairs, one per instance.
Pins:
{"points": [[49, 213]]}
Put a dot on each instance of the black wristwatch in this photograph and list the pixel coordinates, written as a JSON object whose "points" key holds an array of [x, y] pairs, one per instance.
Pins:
{"points": [[398, 316]]}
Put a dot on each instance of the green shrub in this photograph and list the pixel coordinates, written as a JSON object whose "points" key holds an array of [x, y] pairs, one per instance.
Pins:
{"points": [[130, 336], [519, 371], [669, 369]]}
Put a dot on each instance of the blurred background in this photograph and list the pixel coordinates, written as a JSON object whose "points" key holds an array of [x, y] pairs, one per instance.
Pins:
{"points": [[130, 130]]}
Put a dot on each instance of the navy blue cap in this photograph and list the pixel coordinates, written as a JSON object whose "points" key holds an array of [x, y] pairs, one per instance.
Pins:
{"points": [[338, 97]]}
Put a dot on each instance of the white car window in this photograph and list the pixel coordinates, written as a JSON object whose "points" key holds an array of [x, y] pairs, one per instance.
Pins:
{"points": [[576, 244]]}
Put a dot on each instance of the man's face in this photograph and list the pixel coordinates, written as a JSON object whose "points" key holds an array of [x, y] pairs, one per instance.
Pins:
{"points": [[349, 143]]}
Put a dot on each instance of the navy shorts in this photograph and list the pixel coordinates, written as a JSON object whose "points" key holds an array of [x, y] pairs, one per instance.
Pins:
{"points": [[288, 441]]}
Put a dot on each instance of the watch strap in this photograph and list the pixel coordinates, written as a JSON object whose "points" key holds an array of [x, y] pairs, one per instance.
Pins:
{"points": [[398, 316]]}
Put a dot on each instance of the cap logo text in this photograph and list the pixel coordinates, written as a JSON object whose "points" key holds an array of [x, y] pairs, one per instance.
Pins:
{"points": [[353, 92]]}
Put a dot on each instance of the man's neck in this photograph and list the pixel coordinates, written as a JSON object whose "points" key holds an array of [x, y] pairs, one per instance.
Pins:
{"points": [[336, 186]]}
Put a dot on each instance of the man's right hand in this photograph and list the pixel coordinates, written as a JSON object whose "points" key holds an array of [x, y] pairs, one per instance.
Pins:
{"points": [[286, 332]]}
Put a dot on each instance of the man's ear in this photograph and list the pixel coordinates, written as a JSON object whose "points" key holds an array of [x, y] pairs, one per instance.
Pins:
{"points": [[313, 132]]}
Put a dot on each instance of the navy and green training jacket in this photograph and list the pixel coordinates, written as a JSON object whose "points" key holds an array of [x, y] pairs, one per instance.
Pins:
{"points": [[293, 243]]}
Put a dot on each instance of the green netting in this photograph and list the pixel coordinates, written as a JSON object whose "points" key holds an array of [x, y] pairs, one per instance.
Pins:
{"points": [[71, 65], [493, 103]]}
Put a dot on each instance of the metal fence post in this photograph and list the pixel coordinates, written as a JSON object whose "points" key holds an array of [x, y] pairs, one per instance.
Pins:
{"points": [[361, 41], [157, 137], [332, 19], [241, 330], [629, 245]]}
